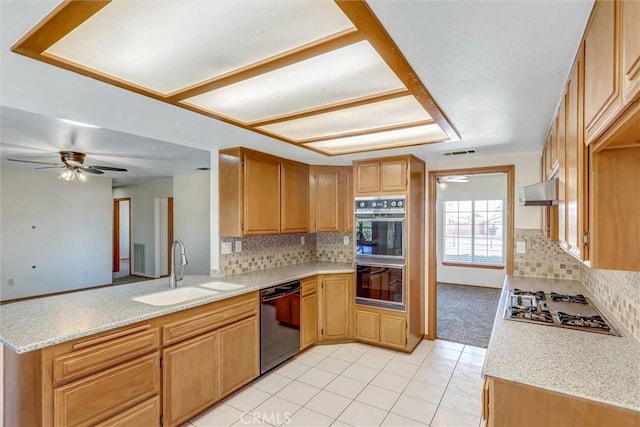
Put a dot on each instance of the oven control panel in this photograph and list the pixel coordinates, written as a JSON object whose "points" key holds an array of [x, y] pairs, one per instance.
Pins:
{"points": [[373, 205]]}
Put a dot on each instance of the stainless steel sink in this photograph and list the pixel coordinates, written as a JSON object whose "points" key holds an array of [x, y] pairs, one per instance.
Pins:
{"points": [[222, 286], [174, 296]]}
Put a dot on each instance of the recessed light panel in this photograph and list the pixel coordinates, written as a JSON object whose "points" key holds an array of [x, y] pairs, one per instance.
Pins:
{"points": [[340, 75], [376, 141], [168, 45], [392, 112], [319, 74]]}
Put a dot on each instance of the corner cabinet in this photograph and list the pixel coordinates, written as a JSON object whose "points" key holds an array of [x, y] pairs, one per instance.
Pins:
{"points": [[330, 199], [260, 194], [386, 175]]}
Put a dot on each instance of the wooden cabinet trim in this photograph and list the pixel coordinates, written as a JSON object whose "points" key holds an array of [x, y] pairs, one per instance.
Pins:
{"points": [[308, 285]]}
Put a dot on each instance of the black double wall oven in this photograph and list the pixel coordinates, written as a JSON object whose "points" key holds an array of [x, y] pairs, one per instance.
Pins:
{"points": [[380, 251]]}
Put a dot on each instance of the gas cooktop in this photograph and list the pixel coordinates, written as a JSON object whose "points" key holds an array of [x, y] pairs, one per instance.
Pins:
{"points": [[553, 309]]}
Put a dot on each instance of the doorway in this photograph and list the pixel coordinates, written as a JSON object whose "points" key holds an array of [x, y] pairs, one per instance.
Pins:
{"points": [[465, 235], [121, 237]]}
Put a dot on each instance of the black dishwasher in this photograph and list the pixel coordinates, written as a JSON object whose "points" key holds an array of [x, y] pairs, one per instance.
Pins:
{"points": [[279, 324]]}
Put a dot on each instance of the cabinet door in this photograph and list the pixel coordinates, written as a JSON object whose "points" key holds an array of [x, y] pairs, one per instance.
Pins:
{"points": [[367, 326], [239, 354], [327, 200], [562, 173], [367, 177], [393, 175], [574, 195], [602, 98], [393, 331], [261, 195], [294, 208], [630, 37], [336, 303], [308, 320], [190, 374], [348, 218]]}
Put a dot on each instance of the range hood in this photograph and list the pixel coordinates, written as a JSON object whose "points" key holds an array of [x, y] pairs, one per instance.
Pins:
{"points": [[542, 194]]}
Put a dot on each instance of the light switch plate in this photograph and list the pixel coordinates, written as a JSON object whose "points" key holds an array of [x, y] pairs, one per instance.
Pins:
{"points": [[302, 240], [226, 248], [345, 240], [238, 245], [521, 247]]}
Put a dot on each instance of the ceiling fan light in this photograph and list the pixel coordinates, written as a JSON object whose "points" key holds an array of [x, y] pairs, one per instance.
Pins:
{"points": [[81, 176], [441, 184], [68, 175]]}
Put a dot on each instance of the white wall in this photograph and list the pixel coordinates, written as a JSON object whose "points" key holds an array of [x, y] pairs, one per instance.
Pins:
{"points": [[143, 217], [490, 187], [191, 219], [63, 229], [124, 229]]}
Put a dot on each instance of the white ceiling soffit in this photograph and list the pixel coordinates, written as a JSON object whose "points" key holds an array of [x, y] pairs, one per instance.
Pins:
{"points": [[322, 75]]}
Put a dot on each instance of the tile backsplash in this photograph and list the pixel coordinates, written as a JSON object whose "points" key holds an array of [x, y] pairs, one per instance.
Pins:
{"points": [[543, 258], [262, 252], [617, 291]]}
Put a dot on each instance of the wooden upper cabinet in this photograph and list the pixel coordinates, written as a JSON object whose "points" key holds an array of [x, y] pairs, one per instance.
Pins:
{"points": [[388, 175], [294, 203], [325, 198], [630, 37], [348, 216], [602, 97], [575, 197], [261, 195], [367, 177]]}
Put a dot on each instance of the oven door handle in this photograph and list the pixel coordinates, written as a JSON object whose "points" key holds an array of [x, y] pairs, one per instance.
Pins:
{"points": [[284, 294], [380, 219], [379, 264]]}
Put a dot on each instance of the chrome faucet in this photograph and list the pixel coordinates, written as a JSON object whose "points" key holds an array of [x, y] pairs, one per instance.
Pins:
{"points": [[173, 280]]}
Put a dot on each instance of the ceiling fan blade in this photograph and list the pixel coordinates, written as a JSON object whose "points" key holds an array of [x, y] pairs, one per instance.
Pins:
{"points": [[90, 169], [108, 168], [49, 167], [38, 163]]}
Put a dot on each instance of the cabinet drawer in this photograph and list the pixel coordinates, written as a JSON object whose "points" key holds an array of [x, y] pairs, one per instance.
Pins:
{"points": [[146, 414], [104, 352], [308, 286], [196, 325], [102, 396]]}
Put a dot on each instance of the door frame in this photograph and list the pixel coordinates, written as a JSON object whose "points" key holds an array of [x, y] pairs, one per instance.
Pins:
{"points": [[432, 248], [116, 232]]}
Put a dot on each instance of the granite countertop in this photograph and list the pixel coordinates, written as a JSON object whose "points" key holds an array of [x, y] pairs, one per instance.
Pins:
{"points": [[37, 323], [590, 365]]}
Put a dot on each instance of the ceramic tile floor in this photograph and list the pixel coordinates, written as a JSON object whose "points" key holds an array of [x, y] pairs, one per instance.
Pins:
{"points": [[355, 384]]}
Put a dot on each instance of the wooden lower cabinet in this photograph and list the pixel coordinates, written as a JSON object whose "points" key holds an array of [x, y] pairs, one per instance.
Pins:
{"points": [[105, 395], [161, 372], [510, 404], [336, 306], [187, 391], [239, 360], [308, 312], [378, 326]]}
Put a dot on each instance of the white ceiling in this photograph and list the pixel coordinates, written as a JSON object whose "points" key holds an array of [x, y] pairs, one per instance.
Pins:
{"points": [[496, 69]]}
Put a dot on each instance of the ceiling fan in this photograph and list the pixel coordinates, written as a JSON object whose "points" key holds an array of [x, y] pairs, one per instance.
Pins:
{"points": [[74, 167], [443, 180]]}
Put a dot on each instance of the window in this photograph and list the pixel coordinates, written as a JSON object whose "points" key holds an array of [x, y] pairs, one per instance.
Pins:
{"points": [[473, 232]]}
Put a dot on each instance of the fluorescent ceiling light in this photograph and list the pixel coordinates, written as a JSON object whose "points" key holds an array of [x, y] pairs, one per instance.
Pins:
{"points": [[81, 124], [319, 74]]}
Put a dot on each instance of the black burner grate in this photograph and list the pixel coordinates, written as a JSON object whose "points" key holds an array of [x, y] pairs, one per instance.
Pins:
{"points": [[568, 298]]}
